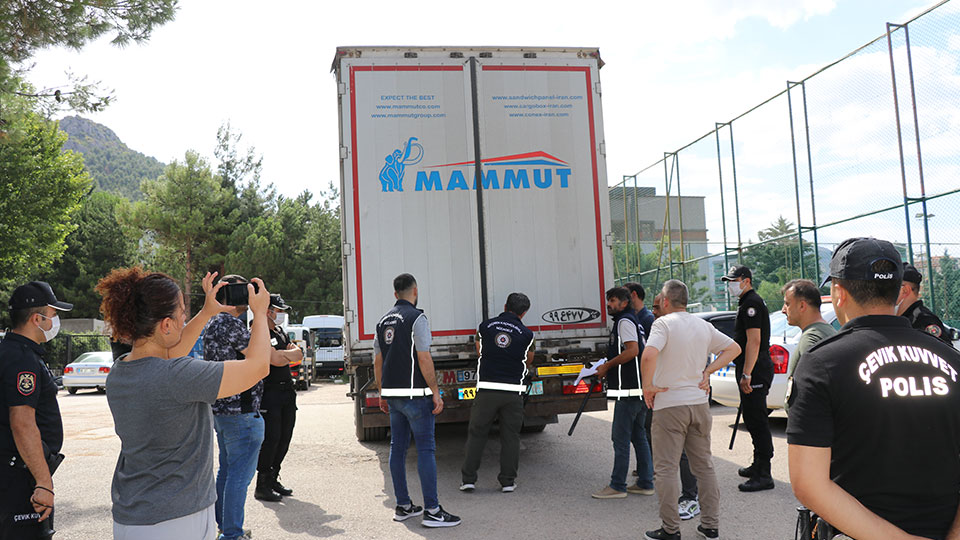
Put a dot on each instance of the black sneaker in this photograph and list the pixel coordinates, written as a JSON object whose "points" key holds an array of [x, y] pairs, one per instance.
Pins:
{"points": [[441, 519], [707, 533], [748, 472], [661, 534], [402, 513]]}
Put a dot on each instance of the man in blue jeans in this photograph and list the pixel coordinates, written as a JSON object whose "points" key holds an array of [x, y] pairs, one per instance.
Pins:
{"points": [[622, 371], [236, 420], [404, 372]]}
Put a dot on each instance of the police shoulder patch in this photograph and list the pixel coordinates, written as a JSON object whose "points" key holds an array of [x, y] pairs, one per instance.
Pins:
{"points": [[933, 330], [26, 382], [388, 335], [751, 312]]}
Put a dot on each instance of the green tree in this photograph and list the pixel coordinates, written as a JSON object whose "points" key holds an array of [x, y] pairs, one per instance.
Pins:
{"points": [[27, 26], [947, 290], [40, 190], [296, 250], [180, 214], [97, 246], [777, 261]]}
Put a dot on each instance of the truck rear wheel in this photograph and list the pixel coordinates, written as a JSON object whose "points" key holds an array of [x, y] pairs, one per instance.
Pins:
{"points": [[372, 434]]}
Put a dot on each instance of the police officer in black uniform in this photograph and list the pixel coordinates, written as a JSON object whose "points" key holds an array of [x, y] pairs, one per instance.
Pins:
{"points": [[505, 347], [754, 370], [910, 305], [31, 430], [874, 427], [278, 408]]}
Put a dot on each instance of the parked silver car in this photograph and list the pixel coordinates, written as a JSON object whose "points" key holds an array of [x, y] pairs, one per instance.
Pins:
{"points": [[89, 370]]}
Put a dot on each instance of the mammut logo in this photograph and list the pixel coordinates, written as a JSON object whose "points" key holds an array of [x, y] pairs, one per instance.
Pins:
{"points": [[391, 175]]}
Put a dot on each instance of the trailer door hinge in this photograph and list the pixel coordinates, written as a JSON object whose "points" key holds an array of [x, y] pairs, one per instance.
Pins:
{"points": [[343, 152], [609, 239], [597, 86], [603, 149], [347, 249], [348, 315], [342, 88]]}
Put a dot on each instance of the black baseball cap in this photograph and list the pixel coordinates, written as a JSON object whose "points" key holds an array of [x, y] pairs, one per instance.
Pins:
{"points": [[854, 258], [277, 303], [737, 271], [36, 294], [911, 274]]}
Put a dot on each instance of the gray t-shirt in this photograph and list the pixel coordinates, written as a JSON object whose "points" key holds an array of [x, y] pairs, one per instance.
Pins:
{"points": [[813, 334], [422, 338], [161, 411]]}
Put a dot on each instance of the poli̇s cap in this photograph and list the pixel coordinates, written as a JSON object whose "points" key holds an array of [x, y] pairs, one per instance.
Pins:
{"points": [[854, 258], [36, 294], [911, 274], [277, 303], [737, 271]]}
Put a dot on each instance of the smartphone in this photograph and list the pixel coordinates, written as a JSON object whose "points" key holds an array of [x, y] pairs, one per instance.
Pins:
{"points": [[235, 294]]}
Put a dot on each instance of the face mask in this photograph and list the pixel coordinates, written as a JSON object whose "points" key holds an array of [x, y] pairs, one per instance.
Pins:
{"points": [[54, 328], [734, 288]]}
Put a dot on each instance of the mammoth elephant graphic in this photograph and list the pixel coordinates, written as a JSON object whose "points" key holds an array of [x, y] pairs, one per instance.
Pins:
{"points": [[391, 175]]}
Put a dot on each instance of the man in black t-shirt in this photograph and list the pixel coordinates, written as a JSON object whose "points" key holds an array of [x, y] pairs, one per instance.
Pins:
{"points": [[278, 408], [754, 371], [31, 430], [874, 427]]}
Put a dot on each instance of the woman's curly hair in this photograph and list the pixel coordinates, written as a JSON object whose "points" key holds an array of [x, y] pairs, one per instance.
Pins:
{"points": [[135, 301]]}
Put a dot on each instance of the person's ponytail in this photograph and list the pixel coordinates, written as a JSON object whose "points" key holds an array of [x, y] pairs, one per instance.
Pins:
{"points": [[135, 301]]}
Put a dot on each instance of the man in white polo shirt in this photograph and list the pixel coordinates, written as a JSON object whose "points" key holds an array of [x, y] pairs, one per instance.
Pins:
{"points": [[675, 387]]}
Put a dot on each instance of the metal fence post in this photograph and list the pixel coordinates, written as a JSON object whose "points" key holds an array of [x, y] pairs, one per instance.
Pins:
{"points": [[723, 209], [683, 251], [813, 206], [636, 220], [923, 191], [796, 177], [667, 223], [736, 195], [903, 169]]}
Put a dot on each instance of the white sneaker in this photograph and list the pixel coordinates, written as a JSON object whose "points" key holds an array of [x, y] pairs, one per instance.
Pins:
{"points": [[467, 487], [688, 509], [509, 489]]}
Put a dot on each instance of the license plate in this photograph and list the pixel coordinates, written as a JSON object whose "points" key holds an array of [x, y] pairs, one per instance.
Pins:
{"points": [[86, 370], [536, 389], [466, 375], [559, 370], [466, 393]]}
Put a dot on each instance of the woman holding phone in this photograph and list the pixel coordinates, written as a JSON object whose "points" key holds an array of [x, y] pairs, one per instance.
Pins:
{"points": [[163, 485]]}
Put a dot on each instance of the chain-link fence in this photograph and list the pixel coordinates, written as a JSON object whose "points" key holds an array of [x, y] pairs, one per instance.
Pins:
{"points": [[866, 146]]}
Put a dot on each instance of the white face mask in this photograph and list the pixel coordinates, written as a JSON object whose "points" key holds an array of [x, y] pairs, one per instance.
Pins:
{"points": [[734, 287], [54, 327]]}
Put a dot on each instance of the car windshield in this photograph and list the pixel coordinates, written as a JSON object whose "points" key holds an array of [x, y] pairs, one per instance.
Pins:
{"points": [[328, 337], [94, 358], [780, 328]]}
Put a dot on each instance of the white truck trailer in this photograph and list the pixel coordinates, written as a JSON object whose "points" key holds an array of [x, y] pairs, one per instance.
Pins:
{"points": [[481, 172]]}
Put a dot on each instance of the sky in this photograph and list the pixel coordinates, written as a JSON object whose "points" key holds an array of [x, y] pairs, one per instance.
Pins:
{"points": [[672, 68]]}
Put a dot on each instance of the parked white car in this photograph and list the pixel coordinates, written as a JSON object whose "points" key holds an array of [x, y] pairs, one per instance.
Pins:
{"points": [[89, 370], [783, 341]]}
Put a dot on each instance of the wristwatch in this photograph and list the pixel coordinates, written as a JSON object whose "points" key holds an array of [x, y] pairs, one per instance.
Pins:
{"points": [[745, 376]]}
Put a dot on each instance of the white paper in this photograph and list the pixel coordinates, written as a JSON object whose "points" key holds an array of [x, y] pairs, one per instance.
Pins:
{"points": [[587, 371]]}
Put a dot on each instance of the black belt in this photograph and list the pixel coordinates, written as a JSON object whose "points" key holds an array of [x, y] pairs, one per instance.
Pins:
{"points": [[277, 386]]}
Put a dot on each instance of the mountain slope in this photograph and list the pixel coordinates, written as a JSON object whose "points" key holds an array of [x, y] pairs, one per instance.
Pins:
{"points": [[113, 166]]}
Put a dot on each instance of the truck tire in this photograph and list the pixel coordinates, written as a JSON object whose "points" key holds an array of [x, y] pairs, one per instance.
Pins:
{"points": [[536, 428], [373, 434]]}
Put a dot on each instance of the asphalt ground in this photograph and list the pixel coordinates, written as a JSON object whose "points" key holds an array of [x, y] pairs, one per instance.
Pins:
{"points": [[342, 487]]}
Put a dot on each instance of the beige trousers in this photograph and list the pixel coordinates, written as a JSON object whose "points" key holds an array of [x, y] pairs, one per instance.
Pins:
{"points": [[684, 428]]}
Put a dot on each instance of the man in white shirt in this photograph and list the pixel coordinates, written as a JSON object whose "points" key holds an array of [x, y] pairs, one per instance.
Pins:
{"points": [[675, 387]]}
